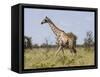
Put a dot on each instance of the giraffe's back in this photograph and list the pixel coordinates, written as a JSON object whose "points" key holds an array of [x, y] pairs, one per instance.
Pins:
{"points": [[71, 35]]}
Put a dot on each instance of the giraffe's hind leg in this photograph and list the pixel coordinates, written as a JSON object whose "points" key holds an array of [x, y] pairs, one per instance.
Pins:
{"points": [[72, 47], [74, 50]]}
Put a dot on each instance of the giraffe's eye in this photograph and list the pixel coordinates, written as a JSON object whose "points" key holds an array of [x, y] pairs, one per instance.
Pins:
{"points": [[45, 20]]}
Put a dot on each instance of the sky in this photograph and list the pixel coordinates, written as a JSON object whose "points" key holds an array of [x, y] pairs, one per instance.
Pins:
{"points": [[78, 22]]}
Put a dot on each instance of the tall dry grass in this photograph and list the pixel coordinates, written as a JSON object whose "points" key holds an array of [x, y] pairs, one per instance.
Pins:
{"points": [[43, 58]]}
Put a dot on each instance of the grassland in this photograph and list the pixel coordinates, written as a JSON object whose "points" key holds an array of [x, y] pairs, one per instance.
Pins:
{"points": [[45, 58]]}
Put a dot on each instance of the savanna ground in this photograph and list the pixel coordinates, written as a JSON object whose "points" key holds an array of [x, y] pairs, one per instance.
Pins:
{"points": [[45, 58]]}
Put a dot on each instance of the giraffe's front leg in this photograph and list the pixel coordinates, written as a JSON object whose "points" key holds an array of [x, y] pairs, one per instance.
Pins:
{"points": [[58, 50]]}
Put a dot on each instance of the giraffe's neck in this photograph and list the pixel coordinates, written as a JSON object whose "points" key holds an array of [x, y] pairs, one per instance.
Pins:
{"points": [[55, 29]]}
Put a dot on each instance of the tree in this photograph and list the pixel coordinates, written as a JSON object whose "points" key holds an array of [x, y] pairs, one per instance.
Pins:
{"points": [[27, 42], [88, 41]]}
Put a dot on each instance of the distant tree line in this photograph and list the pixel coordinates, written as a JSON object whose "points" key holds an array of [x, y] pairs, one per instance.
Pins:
{"points": [[44, 46], [88, 42]]}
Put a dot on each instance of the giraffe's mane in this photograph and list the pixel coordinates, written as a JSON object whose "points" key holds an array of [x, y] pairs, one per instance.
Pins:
{"points": [[53, 23]]}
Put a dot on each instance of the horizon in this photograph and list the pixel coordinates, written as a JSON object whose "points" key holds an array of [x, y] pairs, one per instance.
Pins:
{"points": [[78, 22]]}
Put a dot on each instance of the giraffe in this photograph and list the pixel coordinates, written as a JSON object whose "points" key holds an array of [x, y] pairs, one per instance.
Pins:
{"points": [[63, 39]]}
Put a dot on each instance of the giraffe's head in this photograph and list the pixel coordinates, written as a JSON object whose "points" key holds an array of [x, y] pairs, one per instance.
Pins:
{"points": [[45, 20]]}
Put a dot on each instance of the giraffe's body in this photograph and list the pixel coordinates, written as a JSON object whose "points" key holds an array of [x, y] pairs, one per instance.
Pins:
{"points": [[63, 39]]}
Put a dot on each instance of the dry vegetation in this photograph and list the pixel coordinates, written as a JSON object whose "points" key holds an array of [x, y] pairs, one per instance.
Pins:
{"points": [[44, 58]]}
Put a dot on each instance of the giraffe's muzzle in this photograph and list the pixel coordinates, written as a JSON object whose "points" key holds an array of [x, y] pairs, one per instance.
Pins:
{"points": [[41, 22]]}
